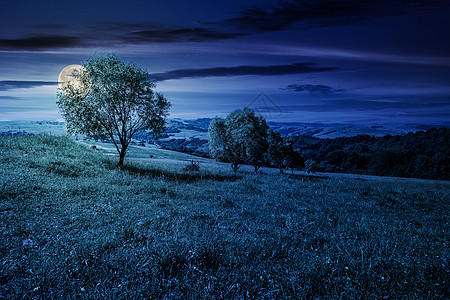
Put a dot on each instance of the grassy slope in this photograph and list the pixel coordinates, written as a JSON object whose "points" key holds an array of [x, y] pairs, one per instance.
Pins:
{"points": [[74, 226]]}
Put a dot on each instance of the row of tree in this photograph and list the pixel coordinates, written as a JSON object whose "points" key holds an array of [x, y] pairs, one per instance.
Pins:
{"points": [[245, 138]]}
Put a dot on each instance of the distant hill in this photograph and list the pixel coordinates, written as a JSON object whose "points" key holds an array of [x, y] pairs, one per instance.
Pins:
{"points": [[319, 130], [198, 128]]}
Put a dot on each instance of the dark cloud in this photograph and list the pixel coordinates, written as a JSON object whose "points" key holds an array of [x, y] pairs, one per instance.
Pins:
{"points": [[298, 68], [39, 42], [112, 33], [276, 16], [311, 88], [444, 114], [52, 26], [168, 35], [399, 104], [315, 13], [14, 84]]}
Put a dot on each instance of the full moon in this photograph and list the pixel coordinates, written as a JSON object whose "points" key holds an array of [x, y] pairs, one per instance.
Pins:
{"points": [[71, 76]]}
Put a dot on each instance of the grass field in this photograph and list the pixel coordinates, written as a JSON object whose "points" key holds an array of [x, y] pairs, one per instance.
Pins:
{"points": [[74, 226]]}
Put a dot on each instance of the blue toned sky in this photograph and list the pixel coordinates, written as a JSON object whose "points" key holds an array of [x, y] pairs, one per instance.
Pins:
{"points": [[371, 61]]}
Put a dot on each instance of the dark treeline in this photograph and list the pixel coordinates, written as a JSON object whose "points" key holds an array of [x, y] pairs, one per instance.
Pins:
{"points": [[424, 154]]}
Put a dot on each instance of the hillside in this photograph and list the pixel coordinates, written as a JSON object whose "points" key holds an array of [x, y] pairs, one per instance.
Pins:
{"points": [[419, 153], [74, 226]]}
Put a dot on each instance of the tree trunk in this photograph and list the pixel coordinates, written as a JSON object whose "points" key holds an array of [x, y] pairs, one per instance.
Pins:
{"points": [[122, 153], [121, 158]]}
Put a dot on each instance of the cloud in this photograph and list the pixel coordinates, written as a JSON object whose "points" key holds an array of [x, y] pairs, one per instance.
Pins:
{"points": [[311, 88], [318, 13], [401, 104], [9, 98], [433, 115], [172, 34], [111, 33], [51, 26], [272, 17], [14, 84], [298, 68], [39, 42]]}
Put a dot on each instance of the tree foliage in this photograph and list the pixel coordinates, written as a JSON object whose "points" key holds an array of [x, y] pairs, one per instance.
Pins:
{"points": [[244, 137], [423, 154], [217, 139], [120, 102], [279, 151], [240, 138]]}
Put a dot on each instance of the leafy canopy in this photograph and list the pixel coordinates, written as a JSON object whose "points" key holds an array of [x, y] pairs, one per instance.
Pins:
{"points": [[239, 138], [120, 102], [244, 137]]}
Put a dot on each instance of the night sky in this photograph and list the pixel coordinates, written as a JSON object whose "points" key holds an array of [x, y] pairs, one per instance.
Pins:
{"points": [[366, 61]]}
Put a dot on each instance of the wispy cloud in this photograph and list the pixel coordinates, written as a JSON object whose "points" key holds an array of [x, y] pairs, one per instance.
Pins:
{"points": [[111, 34], [172, 34], [39, 42], [319, 13], [16, 84], [9, 98], [401, 104], [314, 88], [274, 16], [345, 54], [298, 68]]}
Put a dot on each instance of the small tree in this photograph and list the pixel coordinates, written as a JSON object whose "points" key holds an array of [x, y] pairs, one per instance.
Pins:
{"points": [[310, 166], [256, 152], [120, 102], [217, 139], [239, 138], [248, 136], [279, 152], [296, 161]]}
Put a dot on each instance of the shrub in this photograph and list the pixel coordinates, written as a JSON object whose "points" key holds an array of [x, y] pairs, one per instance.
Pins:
{"points": [[310, 166], [192, 167]]}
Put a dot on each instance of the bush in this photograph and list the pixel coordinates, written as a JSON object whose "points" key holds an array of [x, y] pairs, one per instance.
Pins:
{"points": [[310, 166], [192, 167]]}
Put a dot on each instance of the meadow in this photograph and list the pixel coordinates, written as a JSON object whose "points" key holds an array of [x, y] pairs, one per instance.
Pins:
{"points": [[74, 226]]}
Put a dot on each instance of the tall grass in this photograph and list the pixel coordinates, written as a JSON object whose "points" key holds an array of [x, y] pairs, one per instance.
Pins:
{"points": [[72, 225]]}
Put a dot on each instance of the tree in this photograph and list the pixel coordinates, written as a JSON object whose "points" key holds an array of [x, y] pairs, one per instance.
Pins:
{"points": [[280, 151], [120, 102], [296, 161], [240, 138], [217, 139], [310, 166], [248, 134]]}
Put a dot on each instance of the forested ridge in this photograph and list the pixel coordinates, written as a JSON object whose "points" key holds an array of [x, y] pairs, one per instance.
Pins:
{"points": [[424, 154]]}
